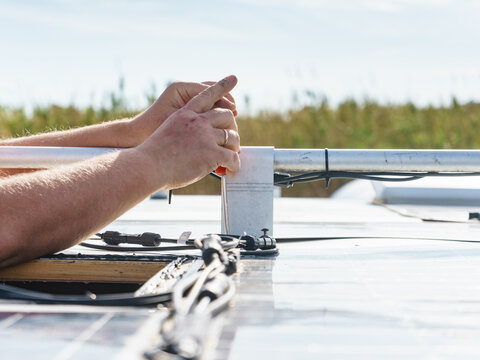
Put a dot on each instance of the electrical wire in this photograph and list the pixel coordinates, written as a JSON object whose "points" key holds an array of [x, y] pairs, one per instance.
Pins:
{"points": [[327, 238], [288, 180], [163, 240], [227, 242], [15, 293], [137, 248]]}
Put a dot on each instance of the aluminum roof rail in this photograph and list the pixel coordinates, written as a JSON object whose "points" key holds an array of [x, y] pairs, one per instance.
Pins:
{"points": [[298, 160], [377, 160]]}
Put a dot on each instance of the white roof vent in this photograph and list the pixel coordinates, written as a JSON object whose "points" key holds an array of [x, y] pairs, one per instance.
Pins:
{"points": [[434, 191]]}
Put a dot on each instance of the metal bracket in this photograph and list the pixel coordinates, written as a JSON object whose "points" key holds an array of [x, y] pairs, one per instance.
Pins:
{"points": [[247, 198]]}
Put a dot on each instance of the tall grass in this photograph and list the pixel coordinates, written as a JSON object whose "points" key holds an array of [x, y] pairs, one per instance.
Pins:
{"points": [[349, 125]]}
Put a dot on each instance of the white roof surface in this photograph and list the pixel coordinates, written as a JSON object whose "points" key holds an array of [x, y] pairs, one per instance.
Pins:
{"points": [[396, 288], [399, 291]]}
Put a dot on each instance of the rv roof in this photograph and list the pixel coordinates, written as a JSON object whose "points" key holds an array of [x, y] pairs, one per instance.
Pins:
{"points": [[393, 287]]}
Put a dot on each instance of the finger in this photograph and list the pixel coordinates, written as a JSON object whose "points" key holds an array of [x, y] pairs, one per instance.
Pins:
{"points": [[207, 98], [230, 160], [226, 104], [230, 141], [221, 119], [188, 90], [191, 89], [228, 96]]}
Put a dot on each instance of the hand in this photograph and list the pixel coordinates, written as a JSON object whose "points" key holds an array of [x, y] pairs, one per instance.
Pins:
{"points": [[191, 142], [175, 96]]}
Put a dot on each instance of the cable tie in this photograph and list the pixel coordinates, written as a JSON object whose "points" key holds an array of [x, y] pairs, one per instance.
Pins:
{"points": [[327, 170]]}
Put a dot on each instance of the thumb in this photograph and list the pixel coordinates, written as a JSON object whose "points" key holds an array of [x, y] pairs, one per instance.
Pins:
{"points": [[205, 100]]}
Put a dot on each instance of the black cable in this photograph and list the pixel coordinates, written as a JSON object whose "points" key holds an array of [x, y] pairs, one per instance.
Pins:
{"points": [[15, 293], [326, 238], [136, 248], [163, 240], [287, 180], [228, 242]]}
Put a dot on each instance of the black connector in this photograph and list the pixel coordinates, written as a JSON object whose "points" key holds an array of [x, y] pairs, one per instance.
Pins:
{"points": [[473, 215], [263, 242], [266, 242], [117, 238]]}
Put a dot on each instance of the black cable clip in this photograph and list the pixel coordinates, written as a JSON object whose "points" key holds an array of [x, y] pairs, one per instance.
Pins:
{"points": [[327, 170]]}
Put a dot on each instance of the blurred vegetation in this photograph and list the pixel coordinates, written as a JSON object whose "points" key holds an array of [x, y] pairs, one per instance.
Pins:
{"points": [[349, 125]]}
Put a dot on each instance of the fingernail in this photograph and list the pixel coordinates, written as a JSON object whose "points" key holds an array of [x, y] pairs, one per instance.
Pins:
{"points": [[230, 78]]}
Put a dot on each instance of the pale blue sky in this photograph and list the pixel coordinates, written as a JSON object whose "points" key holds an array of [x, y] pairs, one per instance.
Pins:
{"points": [[66, 52]]}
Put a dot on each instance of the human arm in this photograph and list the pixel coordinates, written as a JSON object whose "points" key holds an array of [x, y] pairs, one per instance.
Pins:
{"points": [[53, 209]]}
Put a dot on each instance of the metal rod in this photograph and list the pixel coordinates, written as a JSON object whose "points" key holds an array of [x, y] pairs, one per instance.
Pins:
{"points": [[299, 160], [43, 157], [305, 160]]}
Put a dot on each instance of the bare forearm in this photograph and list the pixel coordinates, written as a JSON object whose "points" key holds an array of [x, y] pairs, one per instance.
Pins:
{"points": [[109, 134], [54, 209]]}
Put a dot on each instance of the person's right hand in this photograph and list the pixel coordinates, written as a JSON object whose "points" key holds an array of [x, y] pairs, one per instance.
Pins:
{"points": [[191, 142]]}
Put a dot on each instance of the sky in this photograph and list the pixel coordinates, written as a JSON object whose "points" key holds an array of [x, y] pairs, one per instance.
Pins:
{"points": [[75, 52]]}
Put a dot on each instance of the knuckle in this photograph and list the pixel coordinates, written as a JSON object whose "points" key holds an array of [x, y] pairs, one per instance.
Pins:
{"points": [[236, 136], [236, 161], [235, 125], [187, 113], [228, 113], [208, 92], [235, 140]]}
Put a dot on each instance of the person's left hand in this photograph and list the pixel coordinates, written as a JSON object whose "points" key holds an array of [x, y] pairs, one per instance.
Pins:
{"points": [[175, 96]]}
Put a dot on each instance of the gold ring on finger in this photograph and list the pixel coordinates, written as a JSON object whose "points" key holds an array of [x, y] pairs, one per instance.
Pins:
{"points": [[225, 142]]}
